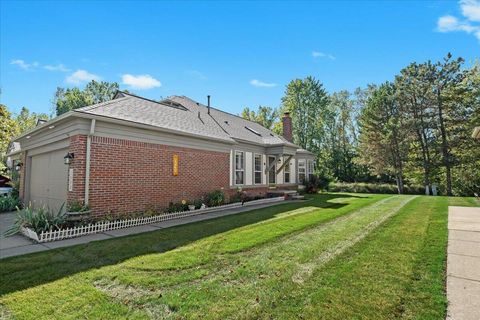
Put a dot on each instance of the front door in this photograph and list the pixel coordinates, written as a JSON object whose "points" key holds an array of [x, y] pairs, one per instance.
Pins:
{"points": [[272, 172]]}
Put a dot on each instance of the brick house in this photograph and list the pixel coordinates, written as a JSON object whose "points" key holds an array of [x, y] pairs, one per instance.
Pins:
{"points": [[131, 153]]}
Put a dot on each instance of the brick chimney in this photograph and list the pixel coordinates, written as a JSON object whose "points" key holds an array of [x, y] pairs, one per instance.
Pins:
{"points": [[287, 126]]}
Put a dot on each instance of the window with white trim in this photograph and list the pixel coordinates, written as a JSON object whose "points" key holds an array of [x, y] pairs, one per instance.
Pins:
{"points": [[257, 169], [239, 167], [286, 171], [310, 168], [301, 171]]}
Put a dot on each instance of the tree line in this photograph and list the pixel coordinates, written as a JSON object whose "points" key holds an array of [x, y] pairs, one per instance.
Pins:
{"points": [[415, 129]]}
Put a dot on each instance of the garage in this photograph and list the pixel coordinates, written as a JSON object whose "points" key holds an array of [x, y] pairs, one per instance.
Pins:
{"points": [[48, 180]]}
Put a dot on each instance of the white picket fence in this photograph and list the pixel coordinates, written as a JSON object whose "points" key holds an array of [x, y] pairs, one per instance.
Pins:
{"points": [[119, 224]]}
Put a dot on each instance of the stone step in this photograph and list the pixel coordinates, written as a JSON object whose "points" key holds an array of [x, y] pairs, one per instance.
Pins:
{"points": [[298, 197]]}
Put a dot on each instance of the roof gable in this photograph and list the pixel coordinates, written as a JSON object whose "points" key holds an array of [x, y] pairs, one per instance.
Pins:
{"points": [[132, 108], [235, 126]]}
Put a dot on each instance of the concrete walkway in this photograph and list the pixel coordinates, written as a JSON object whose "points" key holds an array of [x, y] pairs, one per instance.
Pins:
{"points": [[17, 245], [463, 263]]}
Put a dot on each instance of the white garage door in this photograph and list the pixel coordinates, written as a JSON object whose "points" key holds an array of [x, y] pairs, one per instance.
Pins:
{"points": [[48, 180]]}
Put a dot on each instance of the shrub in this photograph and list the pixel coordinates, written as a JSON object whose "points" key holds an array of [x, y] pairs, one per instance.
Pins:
{"points": [[77, 206], [177, 207], [316, 183], [361, 187], [198, 203], [241, 196], [215, 198], [9, 203], [40, 220]]}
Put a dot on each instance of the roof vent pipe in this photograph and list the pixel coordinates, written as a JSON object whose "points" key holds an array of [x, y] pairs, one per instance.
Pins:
{"points": [[208, 103]]}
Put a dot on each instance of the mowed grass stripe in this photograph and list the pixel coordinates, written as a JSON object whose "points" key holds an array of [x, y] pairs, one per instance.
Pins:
{"points": [[393, 269], [312, 213], [253, 280], [49, 298], [425, 295], [34, 269], [306, 269], [380, 278]]}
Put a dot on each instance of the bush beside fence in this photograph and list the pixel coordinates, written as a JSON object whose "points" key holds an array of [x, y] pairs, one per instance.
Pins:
{"points": [[360, 187], [103, 226]]}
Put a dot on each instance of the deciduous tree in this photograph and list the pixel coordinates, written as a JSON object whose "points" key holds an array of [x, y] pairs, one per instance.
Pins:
{"points": [[265, 116], [72, 98], [307, 101]]}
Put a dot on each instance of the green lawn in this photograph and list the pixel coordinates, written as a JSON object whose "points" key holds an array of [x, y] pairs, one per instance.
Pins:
{"points": [[337, 256]]}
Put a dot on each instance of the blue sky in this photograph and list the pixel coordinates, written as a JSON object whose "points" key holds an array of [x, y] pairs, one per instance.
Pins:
{"points": [[241, 53]]}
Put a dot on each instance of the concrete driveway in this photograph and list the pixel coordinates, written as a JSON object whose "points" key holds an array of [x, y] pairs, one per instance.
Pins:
{"points": [[463, 263], [16, 242]]}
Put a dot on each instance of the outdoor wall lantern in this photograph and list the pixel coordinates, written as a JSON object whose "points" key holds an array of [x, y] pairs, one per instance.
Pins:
{"points": [[19, 166], [68, 158]]}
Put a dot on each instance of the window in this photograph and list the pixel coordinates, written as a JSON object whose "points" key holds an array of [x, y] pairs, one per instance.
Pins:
{"points": [[272, 172], [257, 169], [311, 168], [286, 171], [239, 167], [301, 171]]}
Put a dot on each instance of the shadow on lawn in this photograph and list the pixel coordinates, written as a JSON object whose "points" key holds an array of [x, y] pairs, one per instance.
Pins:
{"points": [[18, 273]]}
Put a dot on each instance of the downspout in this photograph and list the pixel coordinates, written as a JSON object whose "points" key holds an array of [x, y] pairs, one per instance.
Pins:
{"points": [[87, 161]]}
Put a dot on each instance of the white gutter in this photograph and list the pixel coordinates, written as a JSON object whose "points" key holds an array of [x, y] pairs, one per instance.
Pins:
{"points": [[87, 161], [43, 126]]}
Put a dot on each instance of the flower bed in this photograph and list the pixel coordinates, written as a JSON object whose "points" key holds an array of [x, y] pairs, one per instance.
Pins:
{"points": [[119, 224]]}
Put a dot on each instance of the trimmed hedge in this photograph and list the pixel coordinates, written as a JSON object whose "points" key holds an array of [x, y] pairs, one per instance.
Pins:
{"points": [[361, 187]]}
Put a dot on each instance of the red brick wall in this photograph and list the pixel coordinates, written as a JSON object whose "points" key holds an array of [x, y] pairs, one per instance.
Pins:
{"points": [[78, 146], [129, 176]]}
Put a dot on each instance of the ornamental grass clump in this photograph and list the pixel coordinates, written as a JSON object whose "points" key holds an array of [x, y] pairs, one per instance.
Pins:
{"points": [[9, 203], [38, 219]]}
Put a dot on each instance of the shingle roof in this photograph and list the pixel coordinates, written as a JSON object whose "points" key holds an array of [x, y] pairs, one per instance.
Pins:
{"points": [[184, 115], [139, 110], [236, 127]]}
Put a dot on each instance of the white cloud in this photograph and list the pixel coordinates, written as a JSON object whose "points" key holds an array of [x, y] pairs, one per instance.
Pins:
{"points": [[318, 54], [58, 67], [261, 84], [141, 82], [80, 76], [471, 11], [23, 65], [450, 23], [29, 66]]}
